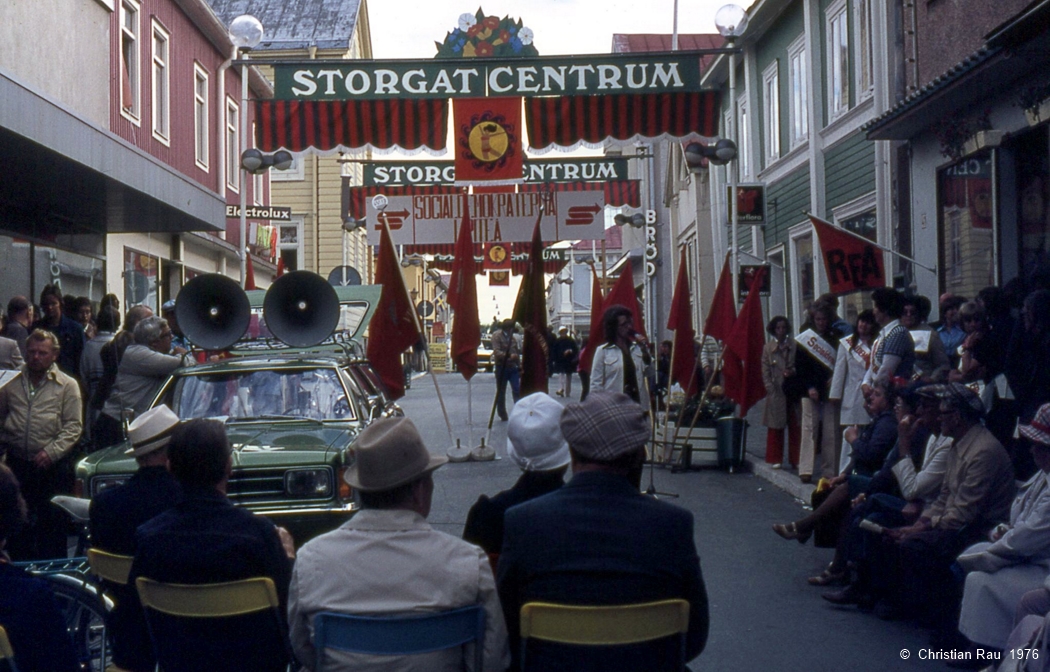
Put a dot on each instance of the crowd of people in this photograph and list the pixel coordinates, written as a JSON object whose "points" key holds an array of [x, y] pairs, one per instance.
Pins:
{"points": [[82, 379], [604, 543], [934, 449]]}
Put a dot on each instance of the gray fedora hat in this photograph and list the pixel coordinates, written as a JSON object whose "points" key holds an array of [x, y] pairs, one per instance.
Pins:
{"points": [[388, 453]]}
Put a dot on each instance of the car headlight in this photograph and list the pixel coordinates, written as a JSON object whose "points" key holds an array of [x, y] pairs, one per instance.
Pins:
{"points": [[308, 483], [103, 483]]}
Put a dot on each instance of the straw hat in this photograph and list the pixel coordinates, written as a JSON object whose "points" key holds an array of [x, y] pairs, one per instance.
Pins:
{"points": [[151, 431]]}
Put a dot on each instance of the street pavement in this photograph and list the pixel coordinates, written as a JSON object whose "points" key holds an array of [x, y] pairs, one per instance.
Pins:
{"points": [[764, 616]]}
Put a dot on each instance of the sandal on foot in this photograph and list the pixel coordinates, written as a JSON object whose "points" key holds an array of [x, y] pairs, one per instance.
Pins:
{"points": [[828, 577]]}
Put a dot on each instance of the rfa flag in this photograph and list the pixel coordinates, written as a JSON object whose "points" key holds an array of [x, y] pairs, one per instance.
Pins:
{"points": [[488, 141], [851, 262]]}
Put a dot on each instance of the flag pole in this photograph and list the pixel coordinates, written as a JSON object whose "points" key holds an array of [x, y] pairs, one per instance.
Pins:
{"points": [[419, 330], [871, 242]]}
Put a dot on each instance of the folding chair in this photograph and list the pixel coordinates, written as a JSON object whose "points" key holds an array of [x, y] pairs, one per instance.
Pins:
{"points": [[7, 654], [605, 625], [400, 635], [115, 569], [196, 602]]}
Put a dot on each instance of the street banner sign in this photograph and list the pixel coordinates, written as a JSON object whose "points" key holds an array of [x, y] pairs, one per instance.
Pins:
{"points": [[432, 219], [417, 173]]}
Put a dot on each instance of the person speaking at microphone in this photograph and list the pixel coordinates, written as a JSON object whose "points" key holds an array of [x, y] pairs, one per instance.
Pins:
{"points": [[623, 363]]}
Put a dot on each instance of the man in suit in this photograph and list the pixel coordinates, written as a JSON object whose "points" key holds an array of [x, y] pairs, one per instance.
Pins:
{"points": [[205, 539], [115, 515], [599, 541]]}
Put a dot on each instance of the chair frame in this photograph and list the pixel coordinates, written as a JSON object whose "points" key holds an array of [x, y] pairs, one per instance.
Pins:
{"points": [[610, 625], [110, 566], [400, 635]]}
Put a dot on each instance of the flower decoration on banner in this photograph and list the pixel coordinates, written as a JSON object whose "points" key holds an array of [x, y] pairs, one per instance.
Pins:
{"points": [[480, 36]]}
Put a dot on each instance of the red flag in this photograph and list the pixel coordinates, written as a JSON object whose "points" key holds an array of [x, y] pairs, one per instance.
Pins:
{"points": [[680, 321], [463, 298], [594, 340], [851, 262], [622, 293], [280, 268], [488, 141], [722, 315], [742, 368], [530, 310], [249, 272], [393, 327]]}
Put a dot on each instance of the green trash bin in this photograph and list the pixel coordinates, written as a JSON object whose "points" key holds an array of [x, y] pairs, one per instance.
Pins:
{"points": [[729, 438]]}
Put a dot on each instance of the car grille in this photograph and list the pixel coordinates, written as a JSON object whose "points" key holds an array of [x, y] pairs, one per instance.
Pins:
{"points": [[261, 486]]}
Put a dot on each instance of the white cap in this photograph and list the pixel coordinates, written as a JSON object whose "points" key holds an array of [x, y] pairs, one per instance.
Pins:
{"points": [[535, 442]]}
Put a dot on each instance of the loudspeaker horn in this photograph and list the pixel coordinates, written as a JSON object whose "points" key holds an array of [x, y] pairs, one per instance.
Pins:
{"points": [[213, 311], [301, 309]]}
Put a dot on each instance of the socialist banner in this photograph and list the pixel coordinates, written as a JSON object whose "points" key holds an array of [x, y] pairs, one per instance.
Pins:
{"points": [[414, 220], [851, 262], [489, 147]]}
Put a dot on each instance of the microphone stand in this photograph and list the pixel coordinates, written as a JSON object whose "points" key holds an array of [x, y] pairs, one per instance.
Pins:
{"points": [[651, 490]]}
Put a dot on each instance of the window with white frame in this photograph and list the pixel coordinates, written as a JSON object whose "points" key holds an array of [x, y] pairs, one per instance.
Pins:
{"points": [[799, 89], [161, 108], [771, 113], [130, 67], [864, 52], [290, 243], [200, 116], [837, 59], [295, 173], [743, 137], [233, 144]]}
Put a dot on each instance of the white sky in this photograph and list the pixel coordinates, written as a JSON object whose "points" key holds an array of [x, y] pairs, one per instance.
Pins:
{"points": [[409, 29]]}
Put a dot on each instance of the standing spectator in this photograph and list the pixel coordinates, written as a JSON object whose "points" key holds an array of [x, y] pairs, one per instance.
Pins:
{"points": [[893, 355], [142, 371], [40, 412], [178, 339], [115, 515], [70, 334], [388, 560], [814, 363], [950, 329], [931, 361], [206, 539], [92, 368], [28, 609], [112, 352], [1028, 359], [851, 363], [84, 314], [535, 444], [598, 540], [622, 363], [10, 355], [567, 356], [778, 370], [506, 359], [19, 317]]}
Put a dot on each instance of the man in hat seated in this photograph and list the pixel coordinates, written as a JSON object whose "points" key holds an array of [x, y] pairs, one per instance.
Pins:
{"points": [[388, 560], [535, 444], [599, 541], [117, 512], [204, 538]]}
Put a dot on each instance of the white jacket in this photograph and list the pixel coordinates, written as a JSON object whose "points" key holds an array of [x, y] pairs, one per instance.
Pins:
{"points": [[607, 371]]}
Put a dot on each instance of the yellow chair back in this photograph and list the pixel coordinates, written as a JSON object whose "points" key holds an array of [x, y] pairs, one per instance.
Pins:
{"points": [[604, 625], [6, 652], [208, 600], [110, 566]]}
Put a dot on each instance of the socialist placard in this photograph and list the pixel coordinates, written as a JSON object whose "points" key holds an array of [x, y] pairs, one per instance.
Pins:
{"points": [[433, 218]]}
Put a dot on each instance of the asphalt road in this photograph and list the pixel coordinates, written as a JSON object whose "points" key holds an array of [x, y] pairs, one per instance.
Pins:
{"points": [[764, 616]]}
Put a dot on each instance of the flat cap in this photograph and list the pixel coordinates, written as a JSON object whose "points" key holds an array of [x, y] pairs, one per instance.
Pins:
{"points": [[607, 426], [961, 397]]}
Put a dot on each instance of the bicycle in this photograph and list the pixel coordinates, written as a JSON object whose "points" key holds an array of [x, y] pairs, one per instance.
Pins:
{"points": [[79, 593]]}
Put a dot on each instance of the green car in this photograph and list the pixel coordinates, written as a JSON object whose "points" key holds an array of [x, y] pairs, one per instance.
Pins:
{"points": [[290, 417]]}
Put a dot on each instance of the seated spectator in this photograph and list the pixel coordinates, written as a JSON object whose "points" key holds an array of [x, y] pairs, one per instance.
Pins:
{"points": [[1017, 557], [599, 541], [206, 539], [142, 370], [535, 444], [28, 609], [388, 560], [975, 495], [115, 515], [931, 360], [870, 447]]}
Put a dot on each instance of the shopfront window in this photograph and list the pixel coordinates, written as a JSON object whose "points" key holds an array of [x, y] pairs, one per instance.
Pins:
{"points": [[74, 274], [967, 244], [1033, 210], [140, 279], [805, 281]]}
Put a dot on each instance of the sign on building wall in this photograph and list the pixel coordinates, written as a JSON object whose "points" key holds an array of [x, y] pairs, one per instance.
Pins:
{"points": [[750, 203], [414, 173]]}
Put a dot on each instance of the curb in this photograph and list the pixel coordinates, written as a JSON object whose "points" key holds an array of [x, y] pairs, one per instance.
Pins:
{"points": [[785, 480]]}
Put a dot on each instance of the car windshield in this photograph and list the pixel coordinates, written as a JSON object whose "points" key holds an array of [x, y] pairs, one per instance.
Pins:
{"points": [[315, 394]]}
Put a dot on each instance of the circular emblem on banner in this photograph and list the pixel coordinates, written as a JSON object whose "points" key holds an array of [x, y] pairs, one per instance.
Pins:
{"points": [[497, 253], [488, 141]]}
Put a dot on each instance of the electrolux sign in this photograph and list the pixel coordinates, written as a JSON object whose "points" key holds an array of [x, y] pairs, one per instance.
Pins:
{"points": [[274, 213], [549, 76]]}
